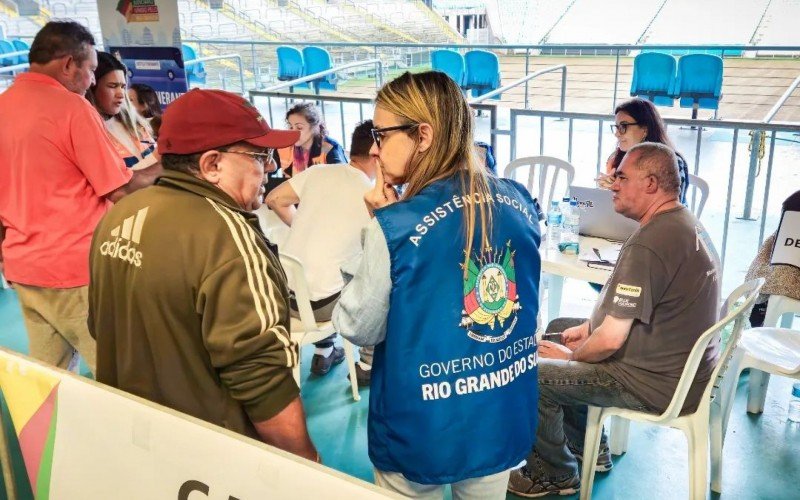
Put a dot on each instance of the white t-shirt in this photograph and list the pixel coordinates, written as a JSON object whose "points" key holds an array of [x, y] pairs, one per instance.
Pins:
{"points": [[326, 230]]}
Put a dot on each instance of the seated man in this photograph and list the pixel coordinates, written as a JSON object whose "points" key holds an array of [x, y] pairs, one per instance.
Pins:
{"points": [[188, 303], [325, 232], [662, 295]]}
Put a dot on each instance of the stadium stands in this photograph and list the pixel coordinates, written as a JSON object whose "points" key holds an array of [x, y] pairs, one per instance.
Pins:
{"points": [[707, 22], [618, 21], [778, 25], [525, 22]]}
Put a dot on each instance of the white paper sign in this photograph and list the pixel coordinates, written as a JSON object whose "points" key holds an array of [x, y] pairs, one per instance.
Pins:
{"points": [[787, 243]]}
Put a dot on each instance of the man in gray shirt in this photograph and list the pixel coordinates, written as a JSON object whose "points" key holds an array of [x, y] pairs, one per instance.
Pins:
{"points": [[662, 295]]}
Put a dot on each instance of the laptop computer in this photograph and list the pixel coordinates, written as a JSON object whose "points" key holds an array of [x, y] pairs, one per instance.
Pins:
{"points": [[598, 217]]}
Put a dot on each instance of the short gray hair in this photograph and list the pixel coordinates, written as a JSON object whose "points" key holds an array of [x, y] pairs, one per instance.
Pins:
{"points": [[661, 162]]}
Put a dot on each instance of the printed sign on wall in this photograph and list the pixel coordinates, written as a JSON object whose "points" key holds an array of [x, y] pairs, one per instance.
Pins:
{"points": [[145, 35]]}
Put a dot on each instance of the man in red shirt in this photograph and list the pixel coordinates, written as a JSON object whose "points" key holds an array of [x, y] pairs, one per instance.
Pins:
{"points": [[59, 174]]}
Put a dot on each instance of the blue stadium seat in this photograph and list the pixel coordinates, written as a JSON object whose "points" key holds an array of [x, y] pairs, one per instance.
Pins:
{"points": [[450, 63], [6, 47], [318, 59], [699, 82], [654, 77], [21, 45], [483, 72], [196, 73]]}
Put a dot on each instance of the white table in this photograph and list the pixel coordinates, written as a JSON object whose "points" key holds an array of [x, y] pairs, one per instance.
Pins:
{"points": [[559, 266]]}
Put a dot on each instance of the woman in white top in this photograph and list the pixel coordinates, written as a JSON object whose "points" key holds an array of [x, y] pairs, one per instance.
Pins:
{"points": [[130, 134]]}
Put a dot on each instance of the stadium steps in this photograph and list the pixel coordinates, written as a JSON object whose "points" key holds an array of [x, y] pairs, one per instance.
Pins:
{"points": [[438, 21], [294, 8], [231, 13], [8, 9], [352, 6]]}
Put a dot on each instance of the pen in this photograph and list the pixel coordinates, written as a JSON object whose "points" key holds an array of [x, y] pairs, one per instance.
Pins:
{"points": [[597, 252]]}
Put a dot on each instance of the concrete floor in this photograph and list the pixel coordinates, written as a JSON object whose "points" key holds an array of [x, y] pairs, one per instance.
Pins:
{"points": [[761, 457]]}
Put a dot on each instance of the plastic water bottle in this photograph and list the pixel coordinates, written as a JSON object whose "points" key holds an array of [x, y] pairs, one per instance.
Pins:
{"points": [[569, 234], [564, 206], [554, 223], [794, 404]]}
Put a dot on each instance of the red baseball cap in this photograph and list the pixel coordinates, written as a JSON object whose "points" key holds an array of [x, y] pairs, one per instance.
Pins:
{"points": [[201, 120]]}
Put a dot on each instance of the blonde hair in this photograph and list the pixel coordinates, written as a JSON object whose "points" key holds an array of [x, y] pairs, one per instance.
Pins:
{"points": [[434, 98]]}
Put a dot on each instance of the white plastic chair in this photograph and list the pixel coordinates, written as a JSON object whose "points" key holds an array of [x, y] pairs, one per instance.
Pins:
{"points": [[306, 330], [541, 182], [765, 350], [699, 186], [694, 425]]}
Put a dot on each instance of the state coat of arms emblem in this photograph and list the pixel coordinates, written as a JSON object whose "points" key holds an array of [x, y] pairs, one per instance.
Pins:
{"points": [[490, 295]]}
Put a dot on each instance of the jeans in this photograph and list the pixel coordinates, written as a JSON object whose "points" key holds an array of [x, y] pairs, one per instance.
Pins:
{"points": [[564, 387]]}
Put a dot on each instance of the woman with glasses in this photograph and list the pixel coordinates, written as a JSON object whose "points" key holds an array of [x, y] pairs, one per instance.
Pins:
{"points": [[447, 292], [314, 147], [637, 121], [130, 134]]}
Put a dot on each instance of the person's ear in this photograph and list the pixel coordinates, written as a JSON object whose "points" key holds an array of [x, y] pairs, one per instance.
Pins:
{"points": [[425, 135], [652, 184], [644, 137], [67, 64], [209, 166]]}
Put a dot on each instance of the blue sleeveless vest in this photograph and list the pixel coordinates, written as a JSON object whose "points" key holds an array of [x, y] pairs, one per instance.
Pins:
{"points": [[454, 388]]}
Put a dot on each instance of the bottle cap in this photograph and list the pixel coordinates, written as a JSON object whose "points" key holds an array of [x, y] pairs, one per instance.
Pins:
{"points": [[796, 390]]}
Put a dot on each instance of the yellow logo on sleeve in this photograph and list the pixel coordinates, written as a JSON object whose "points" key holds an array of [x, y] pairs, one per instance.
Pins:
{"points": [[630, 291]]}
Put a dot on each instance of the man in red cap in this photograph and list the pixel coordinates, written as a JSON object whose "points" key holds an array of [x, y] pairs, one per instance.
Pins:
{"points": [[187, 300]]}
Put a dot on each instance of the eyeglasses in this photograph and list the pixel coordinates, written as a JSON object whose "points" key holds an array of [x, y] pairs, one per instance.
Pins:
{"points": [[622, 127], [261, 158], [379, 133]]}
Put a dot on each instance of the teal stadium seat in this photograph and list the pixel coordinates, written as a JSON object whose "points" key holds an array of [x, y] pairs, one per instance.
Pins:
{"points": [[654, 77], [196, 73], [7, 47], [483, 72], [21, 45], [699, 82], [318, 59], [290, 65], [450, 63]]}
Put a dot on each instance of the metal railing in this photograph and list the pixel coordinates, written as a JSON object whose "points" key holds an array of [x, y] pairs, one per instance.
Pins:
{"points": [[615, 50], [220, 57], [304, 79], [525, 79], [772, 129], [16, 67], [757, 152]]}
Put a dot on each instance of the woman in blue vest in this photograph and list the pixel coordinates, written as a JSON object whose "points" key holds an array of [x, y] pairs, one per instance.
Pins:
{"points": [[447, 292]]}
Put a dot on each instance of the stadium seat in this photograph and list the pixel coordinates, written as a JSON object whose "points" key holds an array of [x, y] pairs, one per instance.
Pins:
{"points": [[699, 82], [483, 72], [654, 77], [21, 45], [450, 63], [290, 65], [6, 48], [318, 59], [196, 73]]}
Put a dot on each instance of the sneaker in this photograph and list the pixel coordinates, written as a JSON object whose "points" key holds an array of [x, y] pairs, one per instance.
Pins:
{"points": [[321, 365], [525, 483], [363, 376], [603, 464]]}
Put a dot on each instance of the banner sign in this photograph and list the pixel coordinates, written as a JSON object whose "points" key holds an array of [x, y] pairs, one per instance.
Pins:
{"points": [[145, 35], [82, 439], [787, 244]]}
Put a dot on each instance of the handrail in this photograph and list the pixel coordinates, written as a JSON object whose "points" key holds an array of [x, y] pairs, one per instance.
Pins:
{"points": [[16, 67], [576, 46], [238, 58], [526, 78], [291, 83], [772, 112], [17, 53]]}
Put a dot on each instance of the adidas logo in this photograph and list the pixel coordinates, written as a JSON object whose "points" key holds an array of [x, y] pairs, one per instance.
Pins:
{"points": [[129, 232]]}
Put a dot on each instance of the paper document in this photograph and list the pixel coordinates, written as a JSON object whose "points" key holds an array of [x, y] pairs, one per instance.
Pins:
{"points": [[608, 254]]}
